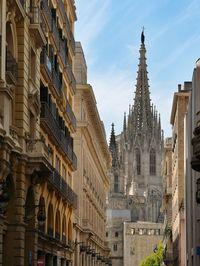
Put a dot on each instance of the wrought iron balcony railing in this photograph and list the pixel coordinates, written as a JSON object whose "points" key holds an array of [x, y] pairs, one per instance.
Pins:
{"points": [[63, 52], [11, 67], [70, 114], [46, 11], [63, 188], [49, 122], [72, 41], [64, 15], [56, 82], [46, 63], [70, 76], [55, 34]]}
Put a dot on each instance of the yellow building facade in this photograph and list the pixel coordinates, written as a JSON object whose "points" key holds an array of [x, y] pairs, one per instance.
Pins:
{"points": [[37, 123], [91, 181]]}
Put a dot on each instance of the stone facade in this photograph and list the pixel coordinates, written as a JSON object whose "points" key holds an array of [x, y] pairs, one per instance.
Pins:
{"points": [[192, 174], [167, 202], [37, 160], [137, 153], [140, 240], [179, 108], [91, 178]]}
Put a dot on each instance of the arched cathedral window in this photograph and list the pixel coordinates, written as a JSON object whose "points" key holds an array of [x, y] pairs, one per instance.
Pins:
{"points": [[138, 161], [116, 183], [152, 165]]}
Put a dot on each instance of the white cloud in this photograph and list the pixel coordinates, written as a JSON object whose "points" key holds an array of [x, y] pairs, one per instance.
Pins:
{"points": [[114, 91], [93, 17]]}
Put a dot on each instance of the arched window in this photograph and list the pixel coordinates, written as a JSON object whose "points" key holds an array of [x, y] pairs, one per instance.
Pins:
{"points": [[116, 183], [152, 166], [138, 161]]}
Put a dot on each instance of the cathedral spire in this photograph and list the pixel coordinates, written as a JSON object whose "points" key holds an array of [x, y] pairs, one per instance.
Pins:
{"points": [[113, 147], [142, 106]]}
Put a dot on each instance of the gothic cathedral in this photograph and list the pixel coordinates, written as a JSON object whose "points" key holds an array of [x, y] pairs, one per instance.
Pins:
{"points": [[136, 181]]}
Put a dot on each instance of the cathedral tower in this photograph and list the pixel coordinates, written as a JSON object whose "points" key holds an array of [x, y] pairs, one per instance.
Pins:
{"points": [[137, 152]]}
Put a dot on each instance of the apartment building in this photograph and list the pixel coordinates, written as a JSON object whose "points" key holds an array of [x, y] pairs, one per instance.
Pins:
{"points": [[179, 108], [37, 123], [91, 182]]}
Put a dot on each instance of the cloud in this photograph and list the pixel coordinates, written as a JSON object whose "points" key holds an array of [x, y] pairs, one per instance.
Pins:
{"points": [[114, 91], [93, 17]]}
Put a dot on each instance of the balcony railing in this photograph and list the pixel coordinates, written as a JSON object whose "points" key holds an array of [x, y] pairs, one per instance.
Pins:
{"points": [[46, 11], [70, 114], [56, 82], [49, 122], [72, 41], [64, 15], [71, 77], [63, 52], [46, 62], [11, 67], [61, 186], [55, 34], [50, 231]]}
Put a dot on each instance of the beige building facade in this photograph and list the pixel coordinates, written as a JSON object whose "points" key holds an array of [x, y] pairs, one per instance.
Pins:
{"points": [[192, 171], [91, 178], [179, 108], [167, 202], [37, 160], [140, 240]]}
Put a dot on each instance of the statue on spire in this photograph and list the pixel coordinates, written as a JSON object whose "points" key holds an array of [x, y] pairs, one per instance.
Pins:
{"points": [[142, 36]]}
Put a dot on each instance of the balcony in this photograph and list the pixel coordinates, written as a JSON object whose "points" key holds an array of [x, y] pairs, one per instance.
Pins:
{"points": [[70, 114], [63, 52], [35, 26], [64, 15], [60, 185], [11, 68], [71, 77], [72, 42], [49, 123], [46, 12], [55, 35], [55, 133], [46, 64], [56, 82], [195, 163]]}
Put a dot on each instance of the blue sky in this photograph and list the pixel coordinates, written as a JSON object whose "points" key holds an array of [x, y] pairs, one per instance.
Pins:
{"points": [[109, 31]]}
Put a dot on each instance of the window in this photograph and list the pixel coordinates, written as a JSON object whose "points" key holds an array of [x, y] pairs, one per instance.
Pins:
{"points": [[116, 184], [115, 247], [138, 161], [106, 234], [152, 165], [116, 234]]}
